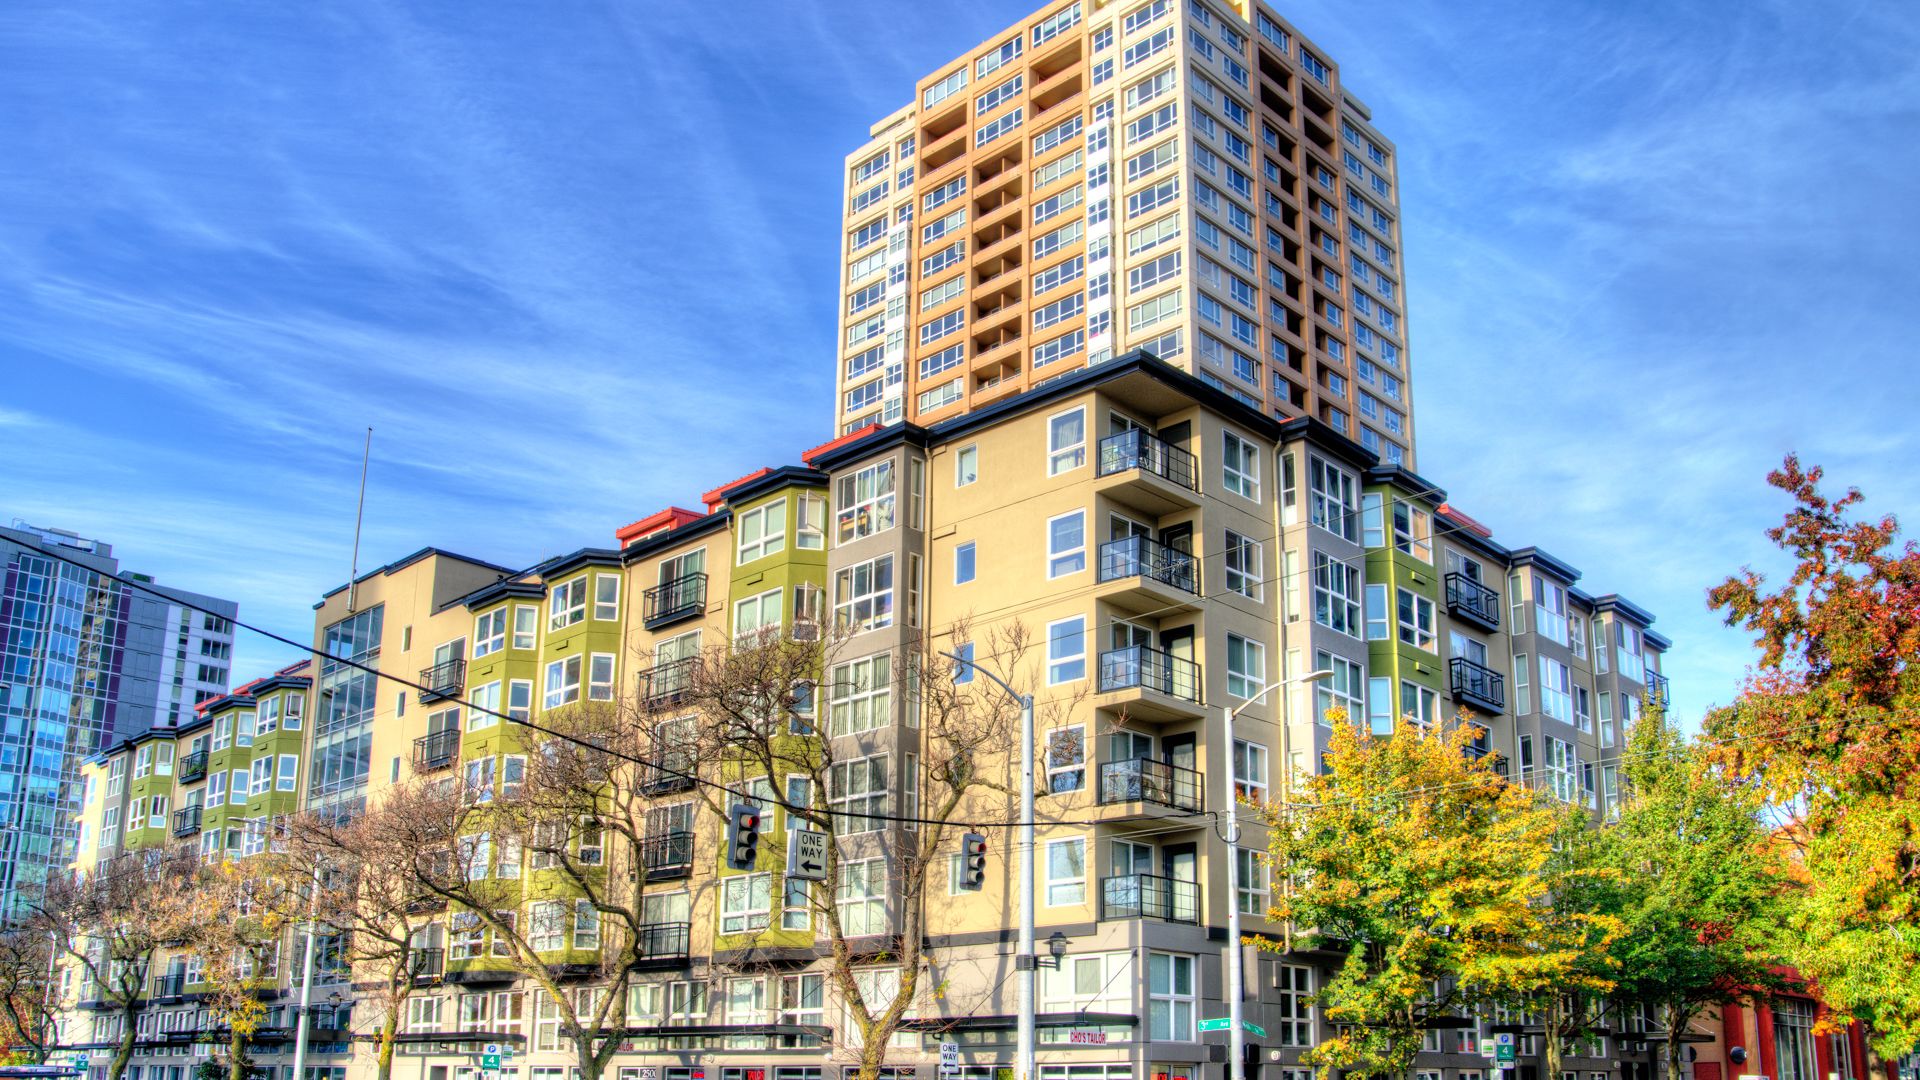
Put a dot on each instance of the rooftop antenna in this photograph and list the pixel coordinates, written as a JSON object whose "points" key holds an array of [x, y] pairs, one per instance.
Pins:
{"points": [[359, 513]]}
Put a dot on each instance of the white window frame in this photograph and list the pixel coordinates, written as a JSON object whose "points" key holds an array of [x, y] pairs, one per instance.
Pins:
{"points": [[1065, 560], [1064, 456]]}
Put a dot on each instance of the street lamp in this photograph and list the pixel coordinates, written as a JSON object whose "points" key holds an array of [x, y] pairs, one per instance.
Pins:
{"points": [[1236, 1035], [1025, 961]]}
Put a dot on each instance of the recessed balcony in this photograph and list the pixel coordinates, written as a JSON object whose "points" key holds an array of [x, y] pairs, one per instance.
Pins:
{"points": [[186, 821], [1656, 688], [426, 964], [443, 681], [1149, 684], [193, 767], [1477, 686], [1471, 602], [1149, 896], [1140, 575], [667, 856], [671, 601], [664, 945], [664, 684], [1146, 473], [1152, 782], [436, 751]]}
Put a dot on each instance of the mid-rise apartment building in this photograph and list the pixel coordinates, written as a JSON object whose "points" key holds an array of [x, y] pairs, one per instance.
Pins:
{"points": [[1187, 177], [1171, 550], [88, 653]]}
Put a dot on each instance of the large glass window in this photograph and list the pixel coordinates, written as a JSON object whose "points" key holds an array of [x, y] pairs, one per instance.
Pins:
{"points": [[762, 531], [1066, 650], [1066, 872], [861, 695], [863, 595], [1067, 544], [1333, 500], [1170, 995], [866, 502], [1336, 594], [1066, 442]]}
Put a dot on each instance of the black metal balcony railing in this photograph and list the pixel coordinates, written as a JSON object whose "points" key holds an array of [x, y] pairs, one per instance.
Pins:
{"points": [[673, 600], [426, 963], [1141, 668], [1150, 896], [663, 684], [1139, 450], [674, 772], [1138, 556], [1656, 688], [1468, 599], [170, 986], [193, 767], [186, 821], [436, 751], [667, 856], [443, 680], [1477, 684], [1151, 780], [665, 941]]}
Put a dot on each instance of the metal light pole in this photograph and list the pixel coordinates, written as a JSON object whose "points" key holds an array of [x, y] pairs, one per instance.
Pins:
{"points": [[1024, 1068], [1236, 980]]}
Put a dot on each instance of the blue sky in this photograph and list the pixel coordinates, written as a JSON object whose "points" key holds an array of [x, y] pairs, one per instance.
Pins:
{"points": [[574, 262]]}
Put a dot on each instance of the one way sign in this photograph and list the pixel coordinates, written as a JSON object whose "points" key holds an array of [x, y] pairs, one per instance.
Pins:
{"points": [[806, 855]]}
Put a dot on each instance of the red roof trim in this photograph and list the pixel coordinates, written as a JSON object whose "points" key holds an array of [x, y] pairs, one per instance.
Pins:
{"points": [[671, 518], [851, 436], [1447, 511], [718, 495]]}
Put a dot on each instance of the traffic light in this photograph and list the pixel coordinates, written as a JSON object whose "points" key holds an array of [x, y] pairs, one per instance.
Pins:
{"points": [[973, 861], [743, 836]]}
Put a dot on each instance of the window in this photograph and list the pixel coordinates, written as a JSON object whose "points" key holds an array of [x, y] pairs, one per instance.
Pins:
{"points": [[1550, 609], [1066, 872], [861, 695], [1240, 466], [1412, 531], [1246, 666], [866, 501], [1253, 892], [526, 620], [1336, 594], [863, 595], [600, 677], [567, 604], [237, 793], [966, 466], [1419, 704], [1296, 1001], [1343, 690], [1066, 442], [490, 633], [762, 531], [289, 775], [1606, 718], [963, 563], [1067, 544], [1243, 565], [1332, 498], [1249, 771], [858, 790], [861, 896], [606, 597], [520, 699], [563, 682], [1556, 689], [1522, 685], [745, 903], [1377, 613], [757, 613], [1416, 620], [1066, 759], [1066, 651], [1170, 995], [1561, 768]]}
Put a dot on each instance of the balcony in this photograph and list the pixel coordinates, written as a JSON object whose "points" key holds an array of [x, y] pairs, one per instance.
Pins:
{"points": [[1656, 689], [673, 773], [1150, 780], [443, 681], [426, 963], [664, 684], [193, 767], [1149, 684], [170, 987], [664, 945], [1147, 473], [1478, 686], [672, 601], [186, 821], [1149, 896], [436, 751], [667, 856], [1471, 602], [1141, 575]]}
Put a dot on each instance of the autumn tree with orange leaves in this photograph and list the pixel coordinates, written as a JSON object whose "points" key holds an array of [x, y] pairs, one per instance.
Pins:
{"points": [[1827, 723]]}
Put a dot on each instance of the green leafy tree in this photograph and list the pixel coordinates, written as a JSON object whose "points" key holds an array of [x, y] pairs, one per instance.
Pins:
{"points": [[1580, 930], [1827, 724], [1427, 868], [1694, 883]]}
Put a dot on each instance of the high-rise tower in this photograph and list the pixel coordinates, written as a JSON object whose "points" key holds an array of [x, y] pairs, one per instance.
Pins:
{"points": [[1188, 178]]}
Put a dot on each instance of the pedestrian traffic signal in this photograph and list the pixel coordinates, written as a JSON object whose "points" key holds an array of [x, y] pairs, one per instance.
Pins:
{"points": [[973, 861], [743, 836]]}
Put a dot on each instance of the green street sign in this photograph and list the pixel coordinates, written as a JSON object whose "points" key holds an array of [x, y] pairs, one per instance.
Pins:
{"points": [[1222, 1023], [489, 1061], [1217, 1024], [1255, 1030]]}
